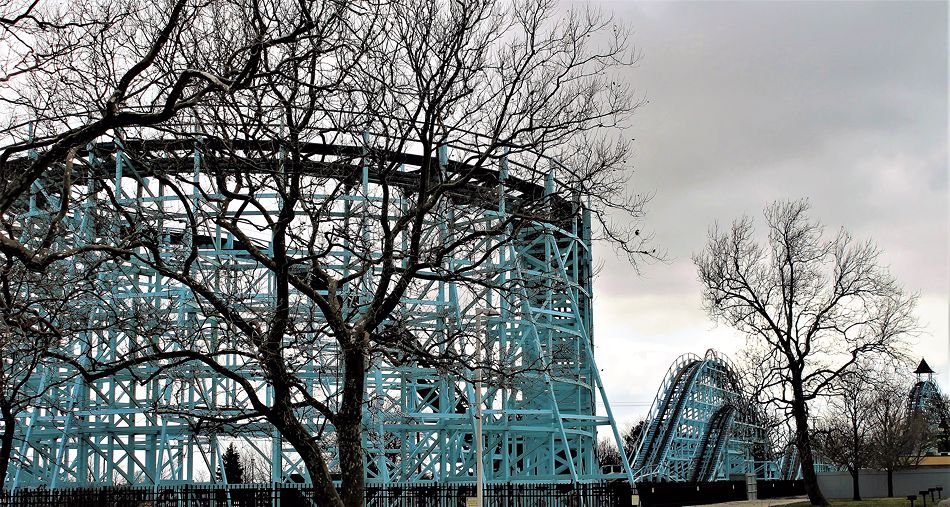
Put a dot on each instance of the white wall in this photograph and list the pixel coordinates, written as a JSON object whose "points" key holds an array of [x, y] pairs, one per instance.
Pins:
{"points": [[874, 483]]}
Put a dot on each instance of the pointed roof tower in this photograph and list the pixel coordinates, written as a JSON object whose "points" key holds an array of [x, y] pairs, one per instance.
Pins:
{"points": [[924, 369]]}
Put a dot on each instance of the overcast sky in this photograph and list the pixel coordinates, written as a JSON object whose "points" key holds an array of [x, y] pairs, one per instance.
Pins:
{"points": [[844, 103]]}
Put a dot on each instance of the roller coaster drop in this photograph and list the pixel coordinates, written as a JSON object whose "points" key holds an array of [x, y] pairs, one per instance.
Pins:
{"points": [[701, 428]]}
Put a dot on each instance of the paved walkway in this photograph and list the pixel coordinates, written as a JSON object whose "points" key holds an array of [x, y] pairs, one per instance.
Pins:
{"points": [[783, 501], [772, 501]]}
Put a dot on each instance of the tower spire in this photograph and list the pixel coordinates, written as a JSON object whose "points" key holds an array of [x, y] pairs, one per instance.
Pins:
{"points": [[924, 369]]}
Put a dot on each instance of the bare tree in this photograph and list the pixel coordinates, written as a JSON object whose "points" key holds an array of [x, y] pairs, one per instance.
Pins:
{"points": [[811, 306], [25, 334], [40, 313], [256, 469], [842, 437], [898, 435], [74, 72], [942, 437], [472, 95], [607, 452]]}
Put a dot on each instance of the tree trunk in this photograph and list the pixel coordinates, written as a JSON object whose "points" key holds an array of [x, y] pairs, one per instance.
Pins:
{"points": [[349, 440], [6, 444], [855, 484], [803, 444], [282, 415], [349, 427], [890, 483], [290, 428]]}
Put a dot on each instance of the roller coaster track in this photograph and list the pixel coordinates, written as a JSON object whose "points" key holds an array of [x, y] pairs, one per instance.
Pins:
{"points": [[683, 381], [790, 465], [719, 427], [698, 417]]}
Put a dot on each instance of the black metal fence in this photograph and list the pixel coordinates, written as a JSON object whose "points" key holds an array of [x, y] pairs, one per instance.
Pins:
{"points": [[605, 494], [672, 494], [600, 494], [778, 489]]}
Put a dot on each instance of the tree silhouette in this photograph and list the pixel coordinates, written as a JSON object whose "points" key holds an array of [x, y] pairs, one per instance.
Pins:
{"points": [[811, 306], [233, 468]]}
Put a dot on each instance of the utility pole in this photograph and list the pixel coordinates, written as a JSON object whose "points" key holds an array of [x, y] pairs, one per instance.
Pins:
{"points": [[480, 315]]}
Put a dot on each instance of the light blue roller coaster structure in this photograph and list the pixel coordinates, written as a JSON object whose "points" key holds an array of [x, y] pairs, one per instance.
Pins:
{"points": [[540, 424], [925, 400], [700, 426], [538, 406]]}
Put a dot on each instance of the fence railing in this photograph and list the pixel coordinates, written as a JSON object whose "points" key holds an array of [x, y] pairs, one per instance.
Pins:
{"points": [[669, 494], [604, 494], [597, 494]]}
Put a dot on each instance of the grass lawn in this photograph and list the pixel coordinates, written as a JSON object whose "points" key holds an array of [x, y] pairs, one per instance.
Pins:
{"points": [[897, 501]]}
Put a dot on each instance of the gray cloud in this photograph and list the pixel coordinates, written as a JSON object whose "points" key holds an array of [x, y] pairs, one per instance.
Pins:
{"points": [[841, 102]]}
